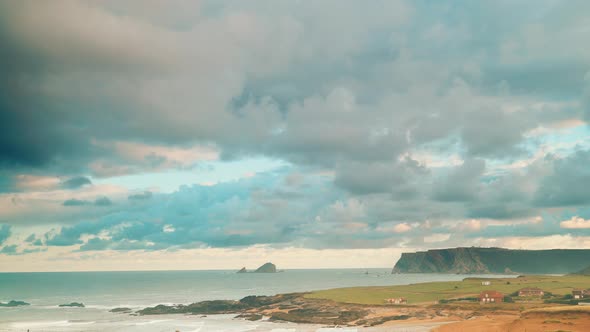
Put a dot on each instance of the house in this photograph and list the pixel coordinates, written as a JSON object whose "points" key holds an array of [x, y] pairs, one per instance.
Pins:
{"points": [[530, 292], [397, 300], [491, 297], [579, 293], [486, 283]]}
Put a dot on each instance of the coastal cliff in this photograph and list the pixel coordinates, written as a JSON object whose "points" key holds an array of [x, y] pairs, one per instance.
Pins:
{"points": [[475, 260]]}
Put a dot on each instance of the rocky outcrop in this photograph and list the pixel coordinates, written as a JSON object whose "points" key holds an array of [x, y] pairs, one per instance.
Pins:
{"points": [[282, 307], [14, 303], [219, 306], [73, 304], [475, 260], [242, 270], [266, 268]]}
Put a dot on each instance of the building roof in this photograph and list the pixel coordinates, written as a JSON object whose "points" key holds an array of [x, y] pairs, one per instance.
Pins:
{"points": [[491, 293]]}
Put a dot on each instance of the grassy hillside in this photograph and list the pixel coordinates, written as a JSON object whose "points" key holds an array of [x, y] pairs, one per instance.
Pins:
{"points": [[434, 291]]}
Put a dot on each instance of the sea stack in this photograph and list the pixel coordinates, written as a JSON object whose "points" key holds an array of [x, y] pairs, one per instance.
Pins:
{"points": [[242, 270], [266, 268]]}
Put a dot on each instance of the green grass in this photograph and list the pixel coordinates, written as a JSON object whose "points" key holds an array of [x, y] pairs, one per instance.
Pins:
{"points": [[434, 291]]}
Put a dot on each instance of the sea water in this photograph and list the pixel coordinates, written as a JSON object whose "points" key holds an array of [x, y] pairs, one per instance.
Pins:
{"points": [[102, 291]]}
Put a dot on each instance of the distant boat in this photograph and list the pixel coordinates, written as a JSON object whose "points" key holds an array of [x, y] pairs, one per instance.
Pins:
{"points": [[367, 272]]}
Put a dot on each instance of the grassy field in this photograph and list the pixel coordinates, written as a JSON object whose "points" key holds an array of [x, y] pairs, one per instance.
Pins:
{"points": [[434, 291]]}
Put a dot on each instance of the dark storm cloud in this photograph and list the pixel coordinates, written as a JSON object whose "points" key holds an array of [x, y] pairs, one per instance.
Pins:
{"points": [[567, 185], [76, 182], [83, 90]]}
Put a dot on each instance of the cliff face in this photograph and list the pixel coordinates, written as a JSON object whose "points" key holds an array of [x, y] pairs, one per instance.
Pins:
{"points": [[493, 260]]}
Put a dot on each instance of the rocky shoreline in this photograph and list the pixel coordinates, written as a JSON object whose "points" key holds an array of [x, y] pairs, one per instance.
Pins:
{"points": [[295, 308]]}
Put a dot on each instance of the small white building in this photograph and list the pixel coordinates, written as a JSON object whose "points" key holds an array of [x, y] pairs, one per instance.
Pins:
{"points": [[486, 283]]}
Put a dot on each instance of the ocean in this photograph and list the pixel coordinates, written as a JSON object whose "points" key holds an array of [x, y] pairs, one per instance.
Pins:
{"points": [[102, 291]]}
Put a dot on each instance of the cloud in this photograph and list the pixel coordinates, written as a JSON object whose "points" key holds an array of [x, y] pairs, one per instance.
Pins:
{"points": [[5, 232], [566, 184], [9, 250], [462, 183], [76, 182], [25, 182], [575, 223], [75, 202], [402, 228], [367, 100], [31, 238], [259, 209], [434, 238], [103, 201], [390, 113], [140, 196], [100, 201]]}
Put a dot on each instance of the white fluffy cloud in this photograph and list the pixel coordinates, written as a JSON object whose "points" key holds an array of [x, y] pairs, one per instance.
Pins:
{"points": [[575, 223]]}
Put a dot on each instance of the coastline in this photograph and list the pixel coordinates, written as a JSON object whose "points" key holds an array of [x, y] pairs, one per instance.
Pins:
{"points": [[442, 306], [445, 307]]}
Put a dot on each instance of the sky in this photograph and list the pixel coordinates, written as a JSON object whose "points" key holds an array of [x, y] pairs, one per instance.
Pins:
{"points": [[150, 135]]}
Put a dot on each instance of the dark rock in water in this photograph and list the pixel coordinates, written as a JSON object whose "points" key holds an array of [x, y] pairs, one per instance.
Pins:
{"points": [[220, 306], [204, 307], [122, 310], [73, 304], [14, 303], [242, 270], [266, 268], [250, 317], [254, 301]]}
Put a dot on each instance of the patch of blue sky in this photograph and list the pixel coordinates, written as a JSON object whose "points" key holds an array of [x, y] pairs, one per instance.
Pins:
{"points": [[208, 173], [568, 140], [560, 143]]}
